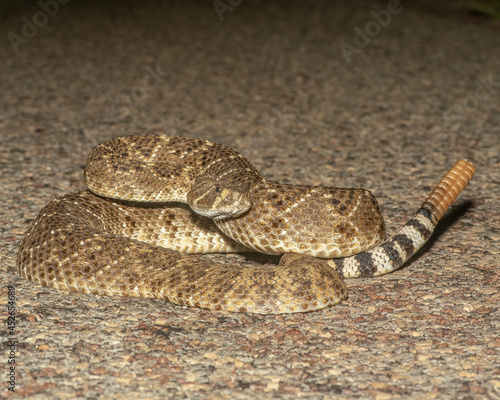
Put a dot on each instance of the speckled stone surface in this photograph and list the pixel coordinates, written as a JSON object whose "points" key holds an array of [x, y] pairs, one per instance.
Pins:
{"points": [[314, 93]]}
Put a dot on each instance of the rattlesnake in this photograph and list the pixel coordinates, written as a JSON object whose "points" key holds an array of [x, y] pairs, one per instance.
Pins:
{"points": [[111, 239]]}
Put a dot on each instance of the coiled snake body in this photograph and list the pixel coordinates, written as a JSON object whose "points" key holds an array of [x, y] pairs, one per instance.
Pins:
{"points": [[120, 238]]}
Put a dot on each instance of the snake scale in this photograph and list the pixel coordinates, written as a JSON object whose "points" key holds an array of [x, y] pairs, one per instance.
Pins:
{"points": [[152, 199]]}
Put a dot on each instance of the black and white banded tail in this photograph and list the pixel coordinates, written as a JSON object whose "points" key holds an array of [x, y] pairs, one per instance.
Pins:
{"points": [[396, 250]]}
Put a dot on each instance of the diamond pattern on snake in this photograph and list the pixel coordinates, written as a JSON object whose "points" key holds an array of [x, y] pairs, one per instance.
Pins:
{"points": [[153, 201]]}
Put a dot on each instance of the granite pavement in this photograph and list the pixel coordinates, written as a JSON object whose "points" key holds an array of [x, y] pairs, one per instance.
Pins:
{"points": [[384, 95]]}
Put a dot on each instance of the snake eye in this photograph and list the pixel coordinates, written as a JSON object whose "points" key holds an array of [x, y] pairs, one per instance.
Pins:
{"points": [[217, 189]]}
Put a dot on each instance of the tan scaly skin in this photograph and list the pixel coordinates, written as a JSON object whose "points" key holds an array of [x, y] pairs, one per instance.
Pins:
{"points": [[108, 242]]}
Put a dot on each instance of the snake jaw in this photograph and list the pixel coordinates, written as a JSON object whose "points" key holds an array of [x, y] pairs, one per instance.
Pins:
{"points": [[211, 199]]}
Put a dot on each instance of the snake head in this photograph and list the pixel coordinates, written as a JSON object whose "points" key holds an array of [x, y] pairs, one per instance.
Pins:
{"points": [[213, 199]]}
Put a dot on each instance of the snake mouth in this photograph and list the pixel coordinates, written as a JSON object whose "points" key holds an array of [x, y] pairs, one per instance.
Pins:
{"points": [[219, 202], [229, 205]]}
